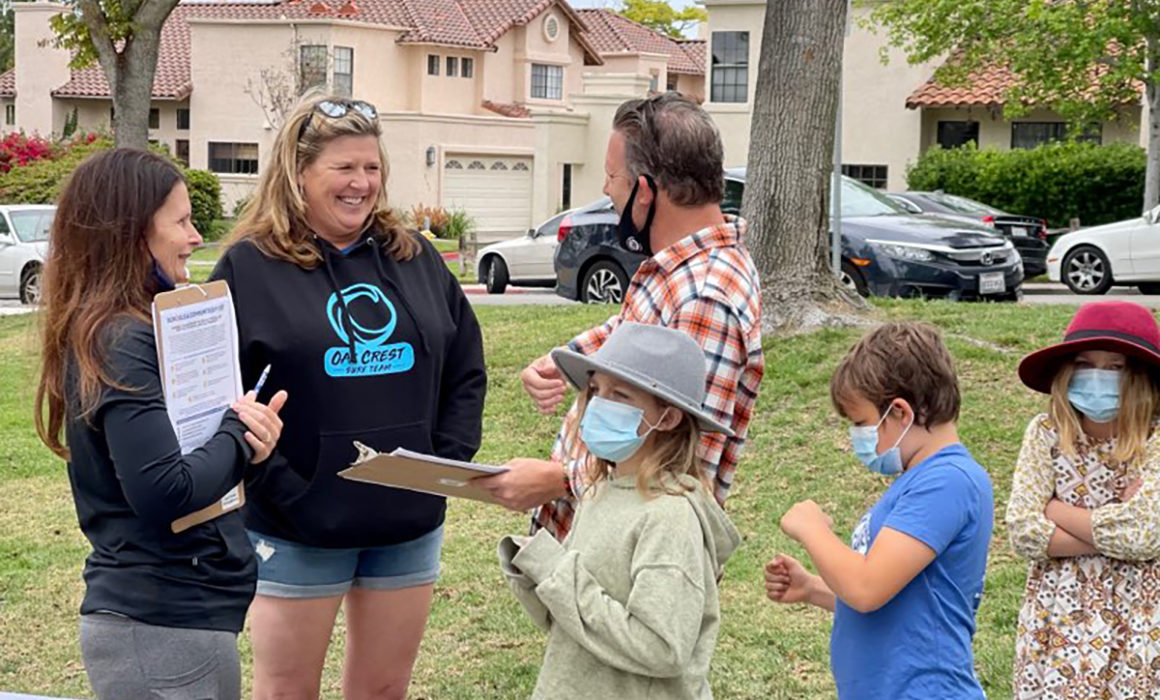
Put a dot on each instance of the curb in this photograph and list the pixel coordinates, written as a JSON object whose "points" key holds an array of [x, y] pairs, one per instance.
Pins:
{"points": [[481, 289]]}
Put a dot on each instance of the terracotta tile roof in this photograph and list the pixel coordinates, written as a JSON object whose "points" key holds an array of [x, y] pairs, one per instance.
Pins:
{"points": [[507, 109], [987, 87], [8, 83], [476, 24], [170, 82], [612, 34]]}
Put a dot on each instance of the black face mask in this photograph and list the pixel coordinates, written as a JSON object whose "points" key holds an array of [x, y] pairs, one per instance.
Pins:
{"points": [[634, 240], [161, 281]]}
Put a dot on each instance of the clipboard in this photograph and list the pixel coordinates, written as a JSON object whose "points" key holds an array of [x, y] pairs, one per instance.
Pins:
{"points": [[415, 471], [186, 296]]}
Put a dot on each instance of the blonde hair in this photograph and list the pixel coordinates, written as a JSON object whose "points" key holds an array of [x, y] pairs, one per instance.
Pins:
{"points": [[1139, 401], [275, 217], [673, 454]]}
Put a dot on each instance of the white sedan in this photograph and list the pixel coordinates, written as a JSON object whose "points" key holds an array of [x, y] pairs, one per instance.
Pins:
{"points": [[1091, 260], [23, 246], [527, 261]]}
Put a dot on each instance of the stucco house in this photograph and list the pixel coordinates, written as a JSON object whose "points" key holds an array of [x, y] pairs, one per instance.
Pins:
{"points": [[470, 92], [892, 112]]}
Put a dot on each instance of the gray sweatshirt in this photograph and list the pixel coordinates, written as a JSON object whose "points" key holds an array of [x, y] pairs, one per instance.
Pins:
{"points": [[630, 597]]}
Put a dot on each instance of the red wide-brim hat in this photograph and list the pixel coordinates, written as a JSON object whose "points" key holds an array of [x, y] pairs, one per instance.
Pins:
{"points": [[1114, 326]]}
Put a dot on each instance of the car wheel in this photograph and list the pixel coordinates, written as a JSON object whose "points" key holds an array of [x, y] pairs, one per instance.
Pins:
{"points": [[1149, 288], [604, 283], [496, 276], [1086, 271], [851, 279], [30, 285]]}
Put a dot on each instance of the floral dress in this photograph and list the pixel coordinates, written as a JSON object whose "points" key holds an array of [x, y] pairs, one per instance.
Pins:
{"points": [[1089, 627]]}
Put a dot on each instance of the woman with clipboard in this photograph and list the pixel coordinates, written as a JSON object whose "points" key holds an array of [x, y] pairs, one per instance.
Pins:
{"points": [[161, 610]]}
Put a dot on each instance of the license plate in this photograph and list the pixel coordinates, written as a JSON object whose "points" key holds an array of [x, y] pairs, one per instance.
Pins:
{"points": [[1018, 231], [992, 283]]}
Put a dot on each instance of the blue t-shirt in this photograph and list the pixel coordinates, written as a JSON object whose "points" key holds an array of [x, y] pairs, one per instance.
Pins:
{"points": [[918, 645]]}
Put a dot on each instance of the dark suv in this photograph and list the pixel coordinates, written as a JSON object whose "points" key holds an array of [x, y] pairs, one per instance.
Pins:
{"points": [[886, 251]]}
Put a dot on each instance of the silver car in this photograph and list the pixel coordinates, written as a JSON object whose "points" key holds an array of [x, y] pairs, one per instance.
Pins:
{"points": [[522, 262], [23, 246]]}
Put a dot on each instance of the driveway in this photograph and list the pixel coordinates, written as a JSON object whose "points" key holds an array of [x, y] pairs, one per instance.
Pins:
{"points": [[1053, 293]]}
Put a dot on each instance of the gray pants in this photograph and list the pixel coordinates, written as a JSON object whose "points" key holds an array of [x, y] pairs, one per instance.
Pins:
{"points": [[127, 660]]}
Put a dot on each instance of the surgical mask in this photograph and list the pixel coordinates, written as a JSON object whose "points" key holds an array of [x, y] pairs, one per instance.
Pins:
{"points": [[1095, 393], [632, 239], [609, 429], [865, 439]]}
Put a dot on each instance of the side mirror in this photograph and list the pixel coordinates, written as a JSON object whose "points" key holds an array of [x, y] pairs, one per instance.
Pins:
{"points": [[531, 233], [6, 239]]}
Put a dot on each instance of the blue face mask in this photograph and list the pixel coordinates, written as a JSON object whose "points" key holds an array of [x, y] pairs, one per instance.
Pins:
{"points": [[1095, 393], [865, 439], [609, 429]]}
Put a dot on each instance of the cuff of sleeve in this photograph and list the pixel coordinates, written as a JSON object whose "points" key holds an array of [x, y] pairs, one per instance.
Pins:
{"points": [[1102, 521], [506, 550], [538, 558]]}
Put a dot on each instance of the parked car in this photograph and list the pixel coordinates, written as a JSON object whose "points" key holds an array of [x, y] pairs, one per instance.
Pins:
{"points": [[886, 251], [1027, 233], [521, 262], [23, 246], [1092, 260]]}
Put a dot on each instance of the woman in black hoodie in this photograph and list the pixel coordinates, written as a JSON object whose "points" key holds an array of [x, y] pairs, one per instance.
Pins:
{"points": [[162, 610], [363, 323]]}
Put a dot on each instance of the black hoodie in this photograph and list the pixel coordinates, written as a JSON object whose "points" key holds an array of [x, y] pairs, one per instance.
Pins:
{"points": [[417, 380]]}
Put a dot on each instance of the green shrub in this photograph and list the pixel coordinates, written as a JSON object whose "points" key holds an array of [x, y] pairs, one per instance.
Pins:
{"points": [[41, 181], [459, 225], [1056, 181], [205, 195]]}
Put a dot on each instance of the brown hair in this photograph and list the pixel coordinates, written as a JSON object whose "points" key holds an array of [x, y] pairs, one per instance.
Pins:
{"points": [[275, 217], [672, 139], [98, 268], [673, 454], [1139, 402], [906, 361]]}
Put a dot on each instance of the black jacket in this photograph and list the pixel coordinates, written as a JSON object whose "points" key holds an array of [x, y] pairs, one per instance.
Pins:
{"points": [[416, 380], [130, 481]]}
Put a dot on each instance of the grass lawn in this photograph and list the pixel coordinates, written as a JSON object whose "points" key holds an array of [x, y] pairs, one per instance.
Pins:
{"points": [[478, 643]]}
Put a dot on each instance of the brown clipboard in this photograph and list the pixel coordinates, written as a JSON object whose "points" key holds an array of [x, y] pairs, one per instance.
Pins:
{"points": [[184, 296], [423, 473]]}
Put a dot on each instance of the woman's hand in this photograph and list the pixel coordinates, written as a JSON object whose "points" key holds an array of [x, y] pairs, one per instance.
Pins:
{"points": [[265, 427]]}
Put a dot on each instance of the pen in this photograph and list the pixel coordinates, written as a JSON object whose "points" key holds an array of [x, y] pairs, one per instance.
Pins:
{"points": [[261, 380]]}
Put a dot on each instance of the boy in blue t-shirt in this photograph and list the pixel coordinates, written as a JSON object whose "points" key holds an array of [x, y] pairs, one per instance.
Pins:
{"points": [[904, 595]]}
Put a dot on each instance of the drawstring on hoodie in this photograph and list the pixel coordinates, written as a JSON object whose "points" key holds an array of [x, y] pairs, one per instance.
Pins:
{"points": [[347, 323]]}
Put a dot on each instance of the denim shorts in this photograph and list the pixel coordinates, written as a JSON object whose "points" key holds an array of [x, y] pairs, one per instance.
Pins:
{"points": [[292, 570]]}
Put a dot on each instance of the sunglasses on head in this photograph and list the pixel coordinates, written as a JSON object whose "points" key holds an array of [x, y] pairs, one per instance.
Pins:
{"points": [[336, 109]]}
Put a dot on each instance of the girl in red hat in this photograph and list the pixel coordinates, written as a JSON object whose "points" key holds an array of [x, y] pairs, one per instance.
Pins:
{"points": [[1085, 509]]}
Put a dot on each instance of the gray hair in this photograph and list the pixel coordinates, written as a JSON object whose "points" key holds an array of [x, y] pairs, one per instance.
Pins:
{"points": [[672, 139]]}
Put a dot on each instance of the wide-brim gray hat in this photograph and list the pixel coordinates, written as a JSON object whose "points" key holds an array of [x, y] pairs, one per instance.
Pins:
{"points": [[663, 362]]}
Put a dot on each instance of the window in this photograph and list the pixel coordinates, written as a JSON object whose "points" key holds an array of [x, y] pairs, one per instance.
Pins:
{"points": [[468, 67], [452, 66], [734, 192], [547, 82], [233, 158], [154, 118], [432, 64], [182, 148], [10, 115], [1032, 134], [566, 188], [551, 28], [311, 67], [955, 134], [730, 60], [183, 119], [499, 165], [343, 71], [671, 81], [654, 81], [112, 114], [872, 175], [475, 165]]}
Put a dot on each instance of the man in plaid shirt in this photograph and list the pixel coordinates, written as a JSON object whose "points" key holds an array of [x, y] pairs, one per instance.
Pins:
{"points": [[663, 171]]}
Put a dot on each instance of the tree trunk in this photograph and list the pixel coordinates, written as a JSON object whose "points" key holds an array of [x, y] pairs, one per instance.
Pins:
{"points": [[1152, 95], [129, 68], [790, 165]]}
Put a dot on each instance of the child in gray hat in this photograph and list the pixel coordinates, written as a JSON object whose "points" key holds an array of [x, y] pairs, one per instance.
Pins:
{"points": [[630, 597]]}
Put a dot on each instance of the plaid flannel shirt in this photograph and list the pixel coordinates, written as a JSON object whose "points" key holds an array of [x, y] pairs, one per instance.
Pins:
{"points": [[706, 285]]}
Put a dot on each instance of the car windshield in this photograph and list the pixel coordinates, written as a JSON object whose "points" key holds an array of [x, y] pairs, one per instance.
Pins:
{"points": [[32, 224], [860, 200], [962, 205]]}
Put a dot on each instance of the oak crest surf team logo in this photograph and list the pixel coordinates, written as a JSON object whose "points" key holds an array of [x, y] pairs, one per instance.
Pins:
{"points": [[373, 356]]}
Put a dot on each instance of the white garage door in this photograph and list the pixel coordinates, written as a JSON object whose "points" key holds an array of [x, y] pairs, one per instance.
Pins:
{"points": [[496, 191]]}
